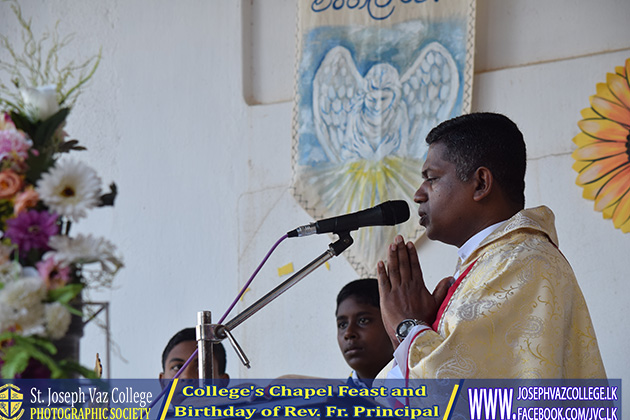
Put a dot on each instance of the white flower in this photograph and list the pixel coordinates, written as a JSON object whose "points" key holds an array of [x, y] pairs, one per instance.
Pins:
{"points": [[10, 271], [70, 189], [57, 320], [24, 293], [84, 250], [21, 302], [40, 103], [6, 317]]}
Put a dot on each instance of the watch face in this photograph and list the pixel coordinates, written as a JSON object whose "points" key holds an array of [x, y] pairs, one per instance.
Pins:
{"points": [[405, 326]]}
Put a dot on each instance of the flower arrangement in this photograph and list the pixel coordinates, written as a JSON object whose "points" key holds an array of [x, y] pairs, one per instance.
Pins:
{"points": [[43, 268]]}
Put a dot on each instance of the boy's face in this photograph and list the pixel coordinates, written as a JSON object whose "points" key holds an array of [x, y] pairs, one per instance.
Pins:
{"points": [[362, 338], [176, 359], [178, 356]]}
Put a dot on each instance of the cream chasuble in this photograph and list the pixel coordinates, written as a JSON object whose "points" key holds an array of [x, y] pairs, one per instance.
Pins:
{"points": [[518, 313]]}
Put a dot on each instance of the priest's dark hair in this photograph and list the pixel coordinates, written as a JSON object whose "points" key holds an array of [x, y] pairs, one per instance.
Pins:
{"points": [[485, 139]]}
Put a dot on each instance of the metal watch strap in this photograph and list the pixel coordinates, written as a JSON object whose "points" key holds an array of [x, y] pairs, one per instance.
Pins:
{"points": [[407, 324]]}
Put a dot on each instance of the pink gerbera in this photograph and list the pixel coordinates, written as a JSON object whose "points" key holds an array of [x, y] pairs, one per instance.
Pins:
{"points": [[32, 229], [53, 274]]}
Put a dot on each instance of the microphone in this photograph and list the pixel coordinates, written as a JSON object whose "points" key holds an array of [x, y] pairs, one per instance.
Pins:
{"points": [[388, 213]]}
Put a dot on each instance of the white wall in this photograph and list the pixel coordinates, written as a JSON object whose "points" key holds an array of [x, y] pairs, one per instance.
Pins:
{"points": [[203, 177]]}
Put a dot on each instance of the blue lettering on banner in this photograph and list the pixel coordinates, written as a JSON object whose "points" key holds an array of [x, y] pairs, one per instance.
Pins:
{"points": [[378, 10]]}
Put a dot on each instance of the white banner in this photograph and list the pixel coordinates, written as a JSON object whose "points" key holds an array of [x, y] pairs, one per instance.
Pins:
{"points": [[373, 77]]}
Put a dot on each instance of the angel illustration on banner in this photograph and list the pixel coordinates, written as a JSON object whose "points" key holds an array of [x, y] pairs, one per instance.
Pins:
{"points": [[381, 114], [368, 145]]}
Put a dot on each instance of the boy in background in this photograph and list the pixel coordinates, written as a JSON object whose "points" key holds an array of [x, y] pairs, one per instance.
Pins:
{"points": [[179, 349], [362, 338]]}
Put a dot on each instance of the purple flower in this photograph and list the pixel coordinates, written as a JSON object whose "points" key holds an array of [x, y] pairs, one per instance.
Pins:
{"points": [[34, 370], [32, 229]]}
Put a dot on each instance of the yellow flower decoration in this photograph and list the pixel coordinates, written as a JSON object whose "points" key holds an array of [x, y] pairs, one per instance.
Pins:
{"points": [[603, 154]]}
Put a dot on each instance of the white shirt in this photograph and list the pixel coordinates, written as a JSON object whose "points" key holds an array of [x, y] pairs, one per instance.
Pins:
{"points": [[471, 244]]}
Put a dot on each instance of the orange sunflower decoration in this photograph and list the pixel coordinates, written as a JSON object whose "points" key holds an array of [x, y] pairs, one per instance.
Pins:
{"points": [[603, 154]]}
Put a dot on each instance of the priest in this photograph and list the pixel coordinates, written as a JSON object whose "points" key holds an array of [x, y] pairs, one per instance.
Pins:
{"points": [[513, 308]]}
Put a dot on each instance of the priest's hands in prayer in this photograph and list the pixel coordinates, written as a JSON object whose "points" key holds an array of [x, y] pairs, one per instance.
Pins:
{"points": [[402, 290]]}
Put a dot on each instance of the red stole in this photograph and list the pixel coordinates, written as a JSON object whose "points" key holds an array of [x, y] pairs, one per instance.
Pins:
{"points": [[443, 306], [451, 290]]}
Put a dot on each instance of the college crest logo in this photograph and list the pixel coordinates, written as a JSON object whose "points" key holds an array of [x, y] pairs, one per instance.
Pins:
{"points": [[10, 402]]}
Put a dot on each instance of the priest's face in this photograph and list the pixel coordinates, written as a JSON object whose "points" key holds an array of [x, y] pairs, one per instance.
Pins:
{"points": [[444, 200], [362, 338]]}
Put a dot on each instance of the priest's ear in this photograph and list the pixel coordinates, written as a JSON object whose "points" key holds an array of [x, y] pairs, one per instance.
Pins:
{"points": [[483, 181]]}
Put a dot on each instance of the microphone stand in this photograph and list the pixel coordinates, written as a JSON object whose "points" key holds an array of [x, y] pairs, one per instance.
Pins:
{"points": [[205, 341], [208, 333]]}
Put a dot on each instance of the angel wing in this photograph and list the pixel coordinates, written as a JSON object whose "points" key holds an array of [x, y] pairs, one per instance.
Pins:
{"points": [[430, 89], [382, 114], [335, 86]]}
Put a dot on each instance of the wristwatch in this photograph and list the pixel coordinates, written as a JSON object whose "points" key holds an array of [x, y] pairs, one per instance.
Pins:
{"points": [[402, 330]]}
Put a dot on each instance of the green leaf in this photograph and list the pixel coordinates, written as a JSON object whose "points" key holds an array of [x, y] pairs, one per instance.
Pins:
{"points": [[23, 123], [38, 348], [65, 293], [15, 361], [73, 310], [70, 366], [7, 335], [46, 129], [44, 343], [37, 165], [32, 341], [16, 357]]}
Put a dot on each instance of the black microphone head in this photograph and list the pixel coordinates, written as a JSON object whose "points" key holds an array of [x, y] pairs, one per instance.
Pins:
{"points": [[388, 213], [395, 212]]}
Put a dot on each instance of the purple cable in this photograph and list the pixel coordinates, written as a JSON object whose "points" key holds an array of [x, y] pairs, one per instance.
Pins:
{"points": [[227, 312], [273, 248]]}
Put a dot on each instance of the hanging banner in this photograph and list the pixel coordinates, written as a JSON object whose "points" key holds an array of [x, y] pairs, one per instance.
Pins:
{"points": [[373, 78]]}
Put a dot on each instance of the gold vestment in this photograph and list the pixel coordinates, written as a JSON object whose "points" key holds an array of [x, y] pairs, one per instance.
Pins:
{"points": [[518, 313]]}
